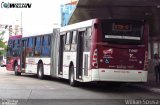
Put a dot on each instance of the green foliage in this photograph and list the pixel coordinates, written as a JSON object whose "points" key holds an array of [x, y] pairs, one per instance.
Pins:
{"points": [[2, 52], [2, 33], [2, 45]]}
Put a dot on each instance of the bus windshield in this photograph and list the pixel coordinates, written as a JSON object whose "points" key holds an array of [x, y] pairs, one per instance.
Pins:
{"points": [[119, 31]]}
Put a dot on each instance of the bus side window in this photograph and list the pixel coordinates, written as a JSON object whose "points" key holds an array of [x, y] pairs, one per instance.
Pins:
{"points": [[37, 51], [87, 40], [10, 43], [67, 41], [49, 46], [74, 41], [18, 43], [30, 46], [9, 48], [46, 46], [49, 40], [27, 42], [14, 48], [13, 44], [18, 47]]}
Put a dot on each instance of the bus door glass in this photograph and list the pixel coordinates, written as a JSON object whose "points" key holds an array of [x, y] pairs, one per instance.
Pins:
{"points": [[86, 49], [61, 49], [80, 54], [24, 54]]}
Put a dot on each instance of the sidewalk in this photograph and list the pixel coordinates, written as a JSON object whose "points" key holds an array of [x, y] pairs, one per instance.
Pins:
{"points": [[151, 84]]}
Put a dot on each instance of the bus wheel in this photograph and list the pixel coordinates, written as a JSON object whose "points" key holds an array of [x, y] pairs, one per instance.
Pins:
{"points": [[16, 70], [71, 77], [40, 71]]}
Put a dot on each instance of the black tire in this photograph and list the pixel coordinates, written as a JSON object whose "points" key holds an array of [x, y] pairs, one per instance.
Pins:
{"points": [[40, 72], [72, 80], [16, 70]]}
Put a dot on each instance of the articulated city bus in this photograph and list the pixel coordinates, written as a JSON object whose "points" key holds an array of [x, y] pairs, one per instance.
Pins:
{"points": [[113, 50]]}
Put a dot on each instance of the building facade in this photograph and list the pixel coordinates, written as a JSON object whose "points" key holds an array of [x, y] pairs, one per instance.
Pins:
{"points": [[66, 12]]}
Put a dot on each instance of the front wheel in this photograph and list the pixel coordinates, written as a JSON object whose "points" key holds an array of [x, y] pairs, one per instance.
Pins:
{"points": [[40, 71], [16, 70], [72, 80]]}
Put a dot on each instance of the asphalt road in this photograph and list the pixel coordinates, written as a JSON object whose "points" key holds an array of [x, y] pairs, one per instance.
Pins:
{"points": [[28, 90]]}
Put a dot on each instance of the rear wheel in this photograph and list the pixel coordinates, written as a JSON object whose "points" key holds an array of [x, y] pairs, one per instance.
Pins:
{"points": [[16, 72], [40, 71], [72, 80]]}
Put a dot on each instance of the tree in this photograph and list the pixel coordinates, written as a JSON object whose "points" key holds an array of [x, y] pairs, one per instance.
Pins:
{"points": [[2, 33], [2, 46]]}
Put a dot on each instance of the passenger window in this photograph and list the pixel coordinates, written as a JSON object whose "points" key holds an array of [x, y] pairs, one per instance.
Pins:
{"points": [[46, 40], [89, 32], [74, 38], [18, 41], [46, 46], [30, 47], [27, 42], [49, 40], [16, 47], [38, 42], [14, 43], [74, 41], [30, 42], [68, 38], [67, 42], [87, 40], [9, 48], [37, 51]]}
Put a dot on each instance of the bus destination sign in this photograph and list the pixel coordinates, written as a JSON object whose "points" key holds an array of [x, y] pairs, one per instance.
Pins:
{"points": [[121, 27]]}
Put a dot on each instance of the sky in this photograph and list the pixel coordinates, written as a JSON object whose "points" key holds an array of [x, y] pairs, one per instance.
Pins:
{"points": [[41, 18]]}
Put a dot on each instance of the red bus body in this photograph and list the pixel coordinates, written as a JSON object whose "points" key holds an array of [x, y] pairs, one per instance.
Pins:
{"points": [[122, 58], [14, 46]]}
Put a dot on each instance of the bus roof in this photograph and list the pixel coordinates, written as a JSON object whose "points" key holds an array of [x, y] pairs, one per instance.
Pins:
{"points": [[77, 25], [15, 37], [37, 35]]}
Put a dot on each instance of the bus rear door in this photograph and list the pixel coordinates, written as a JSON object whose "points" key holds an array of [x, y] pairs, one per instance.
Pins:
{"points": [[79, 63]]}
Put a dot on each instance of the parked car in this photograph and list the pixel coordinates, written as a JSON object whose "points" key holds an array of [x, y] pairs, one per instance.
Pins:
{"points": [[3, 62]]}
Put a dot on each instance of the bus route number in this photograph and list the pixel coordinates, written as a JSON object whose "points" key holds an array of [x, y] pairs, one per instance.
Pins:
{"points": [[133, 50]]}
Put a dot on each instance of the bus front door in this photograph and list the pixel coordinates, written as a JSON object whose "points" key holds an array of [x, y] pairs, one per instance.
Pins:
{"points": [[61, 49], [79, 63], [23, 54]]}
